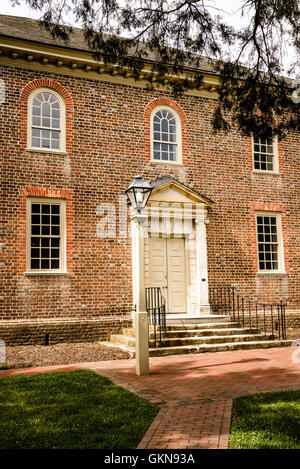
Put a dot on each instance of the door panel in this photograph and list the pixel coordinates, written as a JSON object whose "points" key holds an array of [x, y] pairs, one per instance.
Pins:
{"points": [[176, 275], [157, 262], [167, 270]]}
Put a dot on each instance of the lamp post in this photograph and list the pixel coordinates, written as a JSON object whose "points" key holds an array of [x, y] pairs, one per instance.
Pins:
{"points": [[138, 194]]}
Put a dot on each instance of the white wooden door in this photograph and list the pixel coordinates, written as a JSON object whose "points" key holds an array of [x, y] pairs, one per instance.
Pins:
{"points": [[167, 270], [176, 275]]}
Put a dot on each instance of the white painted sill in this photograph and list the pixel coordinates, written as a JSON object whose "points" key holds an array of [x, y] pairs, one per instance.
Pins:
{"points": [[170, 163], [269, 173], [271, 273], [45, 273], [42, 150]]}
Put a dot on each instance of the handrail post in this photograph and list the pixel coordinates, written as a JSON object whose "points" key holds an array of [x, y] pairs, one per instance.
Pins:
{"points": [[233, 304], [272, 322], [250, 324], [243, 312]]}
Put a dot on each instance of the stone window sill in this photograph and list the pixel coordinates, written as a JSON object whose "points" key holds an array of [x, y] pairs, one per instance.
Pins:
{"points": [[41, 150], [271, 274], [266, 173], [170, 163], [45, 273]]}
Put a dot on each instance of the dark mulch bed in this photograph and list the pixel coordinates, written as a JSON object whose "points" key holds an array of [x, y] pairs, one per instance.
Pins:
{"points": [[60, 354]]}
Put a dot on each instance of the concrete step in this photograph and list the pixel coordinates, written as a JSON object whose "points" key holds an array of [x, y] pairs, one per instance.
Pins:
{"points": [[189, 327], [213, 325], [186, 319], [160, 351], [191, 340], [201, 348], [207, 332]]}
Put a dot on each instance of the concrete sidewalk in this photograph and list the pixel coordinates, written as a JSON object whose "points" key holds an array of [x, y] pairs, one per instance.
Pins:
{"points": [[195, 392]]}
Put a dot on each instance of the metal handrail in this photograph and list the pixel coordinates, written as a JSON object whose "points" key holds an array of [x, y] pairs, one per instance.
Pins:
{"points": [[156, 309], [227, 300]]}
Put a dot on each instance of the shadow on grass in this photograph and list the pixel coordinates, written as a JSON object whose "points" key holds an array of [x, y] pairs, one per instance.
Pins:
{"points": [[78, 409], [266, 421]]}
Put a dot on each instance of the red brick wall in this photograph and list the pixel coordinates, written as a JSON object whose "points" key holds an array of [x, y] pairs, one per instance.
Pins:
{"points": [[105, 150]]}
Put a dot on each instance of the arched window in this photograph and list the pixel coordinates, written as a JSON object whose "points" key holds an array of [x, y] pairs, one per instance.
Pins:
{"points": [[166, 135], [46, 120]]}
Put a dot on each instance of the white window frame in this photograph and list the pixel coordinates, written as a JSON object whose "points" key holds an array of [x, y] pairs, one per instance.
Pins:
{"points": [[62, 129], [62, 258], [178, 135], [281, 267], [275, 158]]}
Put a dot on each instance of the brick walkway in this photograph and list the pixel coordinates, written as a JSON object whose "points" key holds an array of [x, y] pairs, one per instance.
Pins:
{"points": [[195, 392]]}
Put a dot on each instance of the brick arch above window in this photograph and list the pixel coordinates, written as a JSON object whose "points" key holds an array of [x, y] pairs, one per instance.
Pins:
{"points": [[62, 91], [147, 125]]}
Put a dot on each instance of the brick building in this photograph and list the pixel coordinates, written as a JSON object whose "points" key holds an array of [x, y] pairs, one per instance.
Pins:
{"points": [[74, 134]]}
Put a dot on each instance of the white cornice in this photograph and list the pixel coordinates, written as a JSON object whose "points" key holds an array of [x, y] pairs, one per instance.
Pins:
{"points": [[53, 59]]}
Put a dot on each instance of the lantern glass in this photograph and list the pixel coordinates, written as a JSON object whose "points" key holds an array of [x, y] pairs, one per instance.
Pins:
{"points": [[138, 193]]}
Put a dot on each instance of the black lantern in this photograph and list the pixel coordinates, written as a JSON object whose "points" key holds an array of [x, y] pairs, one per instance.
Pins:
{"points": [[138, 193]]}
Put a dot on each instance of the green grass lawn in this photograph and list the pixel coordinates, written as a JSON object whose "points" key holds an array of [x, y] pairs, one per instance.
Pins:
{"points": [[78, 409], [266, 421]]}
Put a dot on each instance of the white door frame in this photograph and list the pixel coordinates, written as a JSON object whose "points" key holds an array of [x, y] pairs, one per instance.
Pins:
{"points": [[195, 256]]}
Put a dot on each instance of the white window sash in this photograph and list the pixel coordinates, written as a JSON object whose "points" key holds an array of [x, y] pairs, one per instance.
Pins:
{"points": [[61, 129], [178, 141], [280, 252], [274, 155], [62, 251]]}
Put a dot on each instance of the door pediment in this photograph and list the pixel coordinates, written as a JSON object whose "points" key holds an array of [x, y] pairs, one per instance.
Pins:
{"points": [[172, 191]]}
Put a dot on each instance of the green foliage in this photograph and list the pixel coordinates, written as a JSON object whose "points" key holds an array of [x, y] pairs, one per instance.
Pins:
{"points": [[70, 410], [266, 421], [178, 36]]}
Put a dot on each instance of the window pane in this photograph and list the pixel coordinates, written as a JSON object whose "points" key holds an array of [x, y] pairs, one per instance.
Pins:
{"points": [[45, 219], [46, 110], [55, 134], [55, 144], [35, 242], [35, 253], [45, 122], [164, 125], [55, 114], [55, 209], [35, 219], [36, 142], [35, 264], [36, 111], [37, 100], [45, 230], [54, 253], [45, 264], [55, 264], [55, 220], [45, 253], [35, 230], [55, 242], [55, 230], [45, 209]]}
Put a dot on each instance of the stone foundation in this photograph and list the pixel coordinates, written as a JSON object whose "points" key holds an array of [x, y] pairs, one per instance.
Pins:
{"points": [[57, 330]]}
